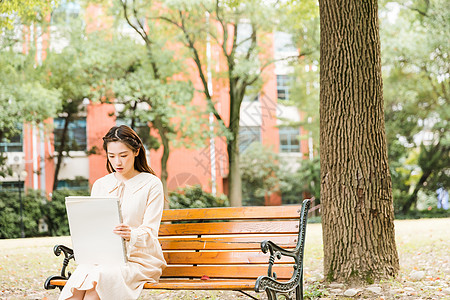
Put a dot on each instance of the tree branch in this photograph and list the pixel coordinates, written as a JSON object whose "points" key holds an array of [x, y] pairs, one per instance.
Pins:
{"points": [[142, 33], [191, 45], [422, 13]]}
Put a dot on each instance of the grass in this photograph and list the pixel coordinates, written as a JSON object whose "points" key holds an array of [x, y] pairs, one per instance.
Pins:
{"points": [[422, 245]]}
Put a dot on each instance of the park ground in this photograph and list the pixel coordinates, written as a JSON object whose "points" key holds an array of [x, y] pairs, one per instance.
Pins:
{"points": [[423, 247]]}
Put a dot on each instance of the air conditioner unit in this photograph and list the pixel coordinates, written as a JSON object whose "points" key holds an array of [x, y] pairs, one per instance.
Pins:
{"points": [[15, 158]]}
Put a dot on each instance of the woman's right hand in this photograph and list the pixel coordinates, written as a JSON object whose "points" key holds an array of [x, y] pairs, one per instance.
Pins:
{"points": [[124, 231]]}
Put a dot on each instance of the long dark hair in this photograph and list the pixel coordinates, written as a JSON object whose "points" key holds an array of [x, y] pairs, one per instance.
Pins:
{"points": [[129, 137]]}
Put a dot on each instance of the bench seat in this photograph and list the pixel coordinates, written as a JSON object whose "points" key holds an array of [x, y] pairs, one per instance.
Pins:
{"points": [[187, 284]]}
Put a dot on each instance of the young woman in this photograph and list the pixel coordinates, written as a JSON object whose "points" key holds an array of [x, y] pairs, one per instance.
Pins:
{"points": [[141, 200]]}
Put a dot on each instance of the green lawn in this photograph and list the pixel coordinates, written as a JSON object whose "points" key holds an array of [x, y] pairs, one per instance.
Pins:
{"points": [[422, 244]]}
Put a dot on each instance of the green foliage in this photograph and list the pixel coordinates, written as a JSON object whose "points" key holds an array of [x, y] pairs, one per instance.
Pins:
{"points": [[264, 172], [304, 181], [422, 214], [302, 21], [26, 10], [259, 169], [164, 99], [55, 214], [10, 213], [80, 69], [416, 80], [195, 197], [314, 291], [22, 97], [78, 72], [36, 207]]}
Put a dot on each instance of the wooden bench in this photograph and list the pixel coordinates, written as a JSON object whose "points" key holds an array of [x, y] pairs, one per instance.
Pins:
{"points": [[229, 248]]}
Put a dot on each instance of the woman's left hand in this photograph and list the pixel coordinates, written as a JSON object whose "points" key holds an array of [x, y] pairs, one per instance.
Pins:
{"points": [[123, 230]]}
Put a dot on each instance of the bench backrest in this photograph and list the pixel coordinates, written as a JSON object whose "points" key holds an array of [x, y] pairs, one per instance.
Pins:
{"points": [[226, 242]]}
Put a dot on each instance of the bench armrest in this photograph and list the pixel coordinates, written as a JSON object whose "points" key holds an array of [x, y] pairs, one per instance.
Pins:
{"points": [[68, 255], [269, 283]]}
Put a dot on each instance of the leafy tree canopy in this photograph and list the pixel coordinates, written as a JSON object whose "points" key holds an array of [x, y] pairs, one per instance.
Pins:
{"points": [[416, 91], [22, 97], [26, 10]]}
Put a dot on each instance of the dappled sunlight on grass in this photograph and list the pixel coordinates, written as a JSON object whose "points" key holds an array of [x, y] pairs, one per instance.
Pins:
{"points": [[25, 264]]}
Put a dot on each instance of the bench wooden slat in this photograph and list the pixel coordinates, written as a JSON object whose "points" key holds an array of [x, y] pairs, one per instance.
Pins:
{"points": [[221, 258], [232, 213], [269, 227], [235, 271], [196, 284], [225, 243]]}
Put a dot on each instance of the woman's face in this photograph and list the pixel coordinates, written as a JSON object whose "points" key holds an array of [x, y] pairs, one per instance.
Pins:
{"points": [[121, 158]]}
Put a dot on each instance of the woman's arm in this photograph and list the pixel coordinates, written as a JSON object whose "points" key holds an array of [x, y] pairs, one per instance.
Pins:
{"points": [[147, 232]]}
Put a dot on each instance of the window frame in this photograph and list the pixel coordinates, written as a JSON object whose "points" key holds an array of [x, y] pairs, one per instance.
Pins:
{"points": [[291, 133]]}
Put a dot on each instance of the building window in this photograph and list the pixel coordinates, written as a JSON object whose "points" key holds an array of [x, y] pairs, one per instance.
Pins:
{"points": [[248, 135], [76, 139], [66, 12], [289, 139], [77, 184], [283, 86], [11, 186], [14, 143]]}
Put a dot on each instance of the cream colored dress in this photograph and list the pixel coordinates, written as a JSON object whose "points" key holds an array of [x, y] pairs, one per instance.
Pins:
{"points": [[142, 202]]}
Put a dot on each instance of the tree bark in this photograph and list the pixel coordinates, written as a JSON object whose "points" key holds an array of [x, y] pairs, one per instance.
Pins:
{"points": [[60, 150], [358, 212], [234, 175], [164, 160], [412, 199]]}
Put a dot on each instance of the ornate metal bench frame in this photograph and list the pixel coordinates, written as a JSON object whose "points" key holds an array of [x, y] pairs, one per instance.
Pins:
{"points": [[292, 289], [68, 255]]}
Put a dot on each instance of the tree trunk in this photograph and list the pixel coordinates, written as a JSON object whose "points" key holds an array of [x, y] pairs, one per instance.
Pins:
{"points": [[358, 212], [60, 150], [234, 175], [412, 199], [164, 159], [430, 161], [133, 115]]}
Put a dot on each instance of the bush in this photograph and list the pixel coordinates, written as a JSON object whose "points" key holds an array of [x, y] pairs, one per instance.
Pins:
{"points": [[418, 214], [304, 181], [259, 167], [35, 207], [195, 197], [55, 214], [10, 219]]}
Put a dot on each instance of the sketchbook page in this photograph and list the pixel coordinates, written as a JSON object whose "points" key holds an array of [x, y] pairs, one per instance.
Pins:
{"points": [[91, 222]]}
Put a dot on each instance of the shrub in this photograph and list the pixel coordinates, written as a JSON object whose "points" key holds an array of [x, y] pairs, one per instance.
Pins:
{"points": [[195, 197], [10, 219], [259, 167], [418, 214], [55, 214]]}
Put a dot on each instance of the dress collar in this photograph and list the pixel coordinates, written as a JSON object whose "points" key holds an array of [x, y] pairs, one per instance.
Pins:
{"points": [[135, 183]]}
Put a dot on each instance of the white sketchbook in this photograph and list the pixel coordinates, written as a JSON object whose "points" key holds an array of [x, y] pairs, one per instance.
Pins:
{"points": [[91, 222]]}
